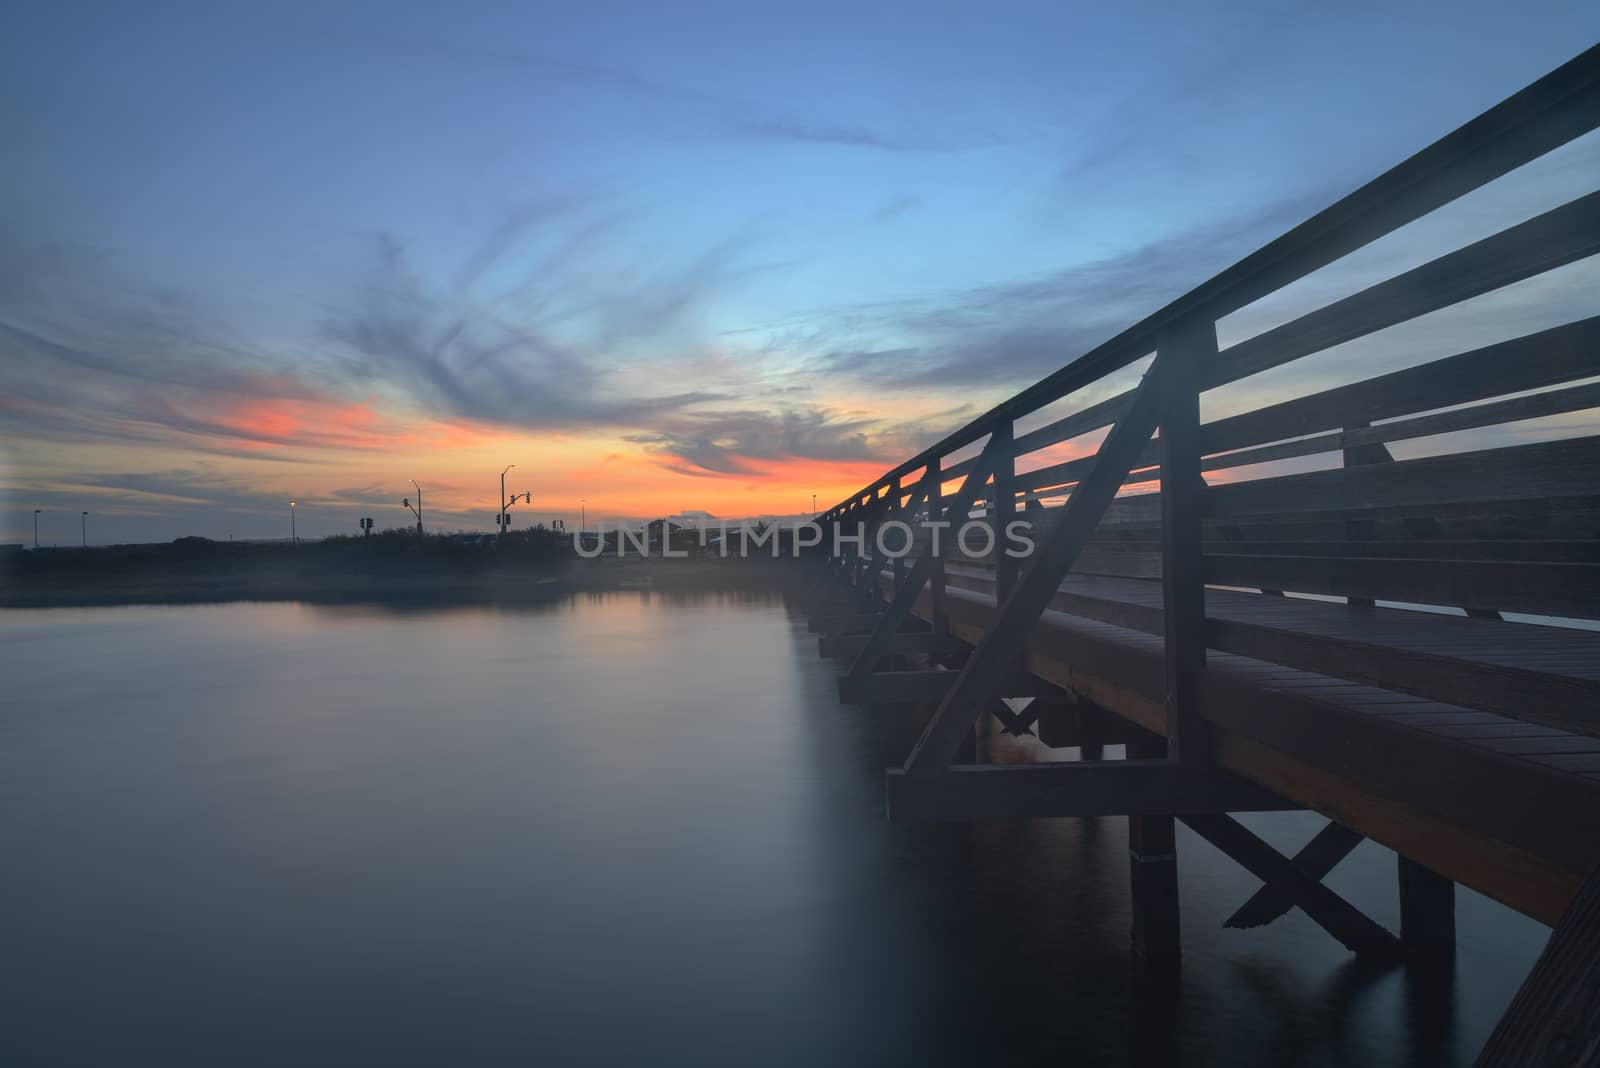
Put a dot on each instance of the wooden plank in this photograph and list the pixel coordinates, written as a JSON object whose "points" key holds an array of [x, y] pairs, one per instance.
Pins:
{"points": [[1093, 417], [1530, 549], [1140, 560], [1563, 702], [1568, 743], [1509, 730], [1557, 589], [1542, 470], [1549, 357], [1554, 1019], [1358, 435], [1137, 516], [1573, 762], [1553, 239], [1069, 788], [1297, 635], [1501, 684], [1391, 759], [1553, 402]]}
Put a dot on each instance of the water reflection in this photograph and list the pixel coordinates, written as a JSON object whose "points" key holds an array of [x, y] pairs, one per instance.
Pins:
{"points": [[618, 828]]}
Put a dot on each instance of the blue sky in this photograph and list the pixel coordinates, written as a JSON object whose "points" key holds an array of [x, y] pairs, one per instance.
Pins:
{"points": [[726, 245]]}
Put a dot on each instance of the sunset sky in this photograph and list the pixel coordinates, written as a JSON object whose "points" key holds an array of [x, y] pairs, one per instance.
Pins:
{"points": [[707, 257]]}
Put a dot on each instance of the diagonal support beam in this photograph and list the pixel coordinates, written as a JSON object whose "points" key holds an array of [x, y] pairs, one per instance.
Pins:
{"points": [[994, 657], [1016, 724], [1316, 859], [1346, 923]]}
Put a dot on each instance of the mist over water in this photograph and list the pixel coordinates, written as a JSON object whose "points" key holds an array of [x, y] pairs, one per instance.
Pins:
{"points": [[622, 828]]}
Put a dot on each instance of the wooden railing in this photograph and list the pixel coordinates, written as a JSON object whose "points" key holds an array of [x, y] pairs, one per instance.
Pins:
{"points": [[1512, 528]]}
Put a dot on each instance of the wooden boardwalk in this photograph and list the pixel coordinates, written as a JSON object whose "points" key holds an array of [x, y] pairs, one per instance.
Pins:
{"points": [[1351, 640]]}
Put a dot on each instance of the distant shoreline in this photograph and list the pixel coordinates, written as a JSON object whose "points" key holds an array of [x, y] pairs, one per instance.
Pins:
{"points": [[219, 573]]}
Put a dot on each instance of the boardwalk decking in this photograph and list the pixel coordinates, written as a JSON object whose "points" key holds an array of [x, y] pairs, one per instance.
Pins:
{"points": [[1508, 807]]}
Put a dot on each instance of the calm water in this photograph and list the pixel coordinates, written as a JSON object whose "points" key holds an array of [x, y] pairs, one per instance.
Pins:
{"points": [[623, 829]]}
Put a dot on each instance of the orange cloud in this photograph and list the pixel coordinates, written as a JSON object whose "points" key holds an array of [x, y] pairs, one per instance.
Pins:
{"points": [[287, 422]]}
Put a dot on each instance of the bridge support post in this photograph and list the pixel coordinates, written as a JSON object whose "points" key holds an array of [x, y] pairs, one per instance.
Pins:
{"points": [[1427, 910], [1153, 879]]}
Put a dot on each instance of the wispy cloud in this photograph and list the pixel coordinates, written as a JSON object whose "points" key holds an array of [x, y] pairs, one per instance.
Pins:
{"points": [[726, 442], [552, 365], [1005, 335], [735, 117]]}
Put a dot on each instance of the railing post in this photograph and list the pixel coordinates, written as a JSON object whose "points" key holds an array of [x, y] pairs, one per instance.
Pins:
{"points": [[858, 569], [895, 564], [1194, 345], [935, 482], [888, 510], [1005, 509]]}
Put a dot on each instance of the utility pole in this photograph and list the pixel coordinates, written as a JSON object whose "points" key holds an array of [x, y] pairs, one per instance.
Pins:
{"points": [[36, 528], [83, 521]]}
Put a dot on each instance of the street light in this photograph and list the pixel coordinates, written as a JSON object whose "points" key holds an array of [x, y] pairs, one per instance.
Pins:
{"points": [[294, 539], [418, 509], [813, 506], [500, 531], [583, 503], [84, 522], [36, 528]]}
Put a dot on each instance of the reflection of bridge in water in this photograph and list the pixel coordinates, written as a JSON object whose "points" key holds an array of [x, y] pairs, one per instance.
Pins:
{"points": [[1466, 739]]}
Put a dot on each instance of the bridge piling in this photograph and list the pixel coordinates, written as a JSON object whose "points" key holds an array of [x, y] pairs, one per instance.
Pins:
{"points": [[1427, 910], [1157, 935]]}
